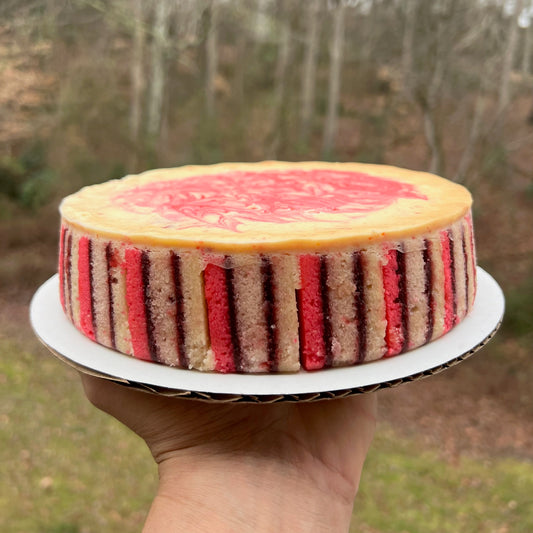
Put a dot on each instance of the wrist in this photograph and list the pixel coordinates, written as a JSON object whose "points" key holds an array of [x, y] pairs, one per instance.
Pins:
{"points": [[241, 494]]}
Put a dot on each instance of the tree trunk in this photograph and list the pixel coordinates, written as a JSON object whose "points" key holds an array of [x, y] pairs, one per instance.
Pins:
{"points": [[432, 138], [211, 59], [526, 53], [408, 42], [336, 55], [508, 57], [281, 81], [309, 73], [475, 130], [261, 24], [136, 76], [158, 74], [240, 67]]}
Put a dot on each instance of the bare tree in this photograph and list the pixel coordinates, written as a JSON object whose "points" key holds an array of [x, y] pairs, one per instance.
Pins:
{"points": [[526, 52], [473, 137], [281, 79], [261, 26], [408, 42], [336, 56], [136, 72], [309, 71], [211, 58], [158, 68], [508, 57]]}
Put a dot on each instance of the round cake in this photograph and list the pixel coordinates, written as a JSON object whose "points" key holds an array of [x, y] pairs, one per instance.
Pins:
{"points": [[267, 267]]}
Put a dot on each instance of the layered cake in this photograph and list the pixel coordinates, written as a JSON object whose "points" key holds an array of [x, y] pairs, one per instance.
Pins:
{"points": [[267, 267]]}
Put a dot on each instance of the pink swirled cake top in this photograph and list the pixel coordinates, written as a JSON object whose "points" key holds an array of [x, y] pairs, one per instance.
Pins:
{"points": [[229, 199], [267, 206]]}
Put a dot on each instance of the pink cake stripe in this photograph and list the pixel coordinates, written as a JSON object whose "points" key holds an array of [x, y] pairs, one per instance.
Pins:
{"points": [[394, 335], [218, 310], [84, 287], [136, 306], [61, 268], [313, 350], [448, 282]]}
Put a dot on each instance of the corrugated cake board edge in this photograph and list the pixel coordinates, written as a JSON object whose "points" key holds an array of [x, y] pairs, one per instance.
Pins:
{"points": [[249, 398]]}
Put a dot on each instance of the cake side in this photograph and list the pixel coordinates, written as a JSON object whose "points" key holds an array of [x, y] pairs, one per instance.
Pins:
{"points": [[267, 312]]}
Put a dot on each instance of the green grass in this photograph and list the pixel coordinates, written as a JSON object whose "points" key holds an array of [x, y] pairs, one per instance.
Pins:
{"points": [[67, 468], [409, 489]]}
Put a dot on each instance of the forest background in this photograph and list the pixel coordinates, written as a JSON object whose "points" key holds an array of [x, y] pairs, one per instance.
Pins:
{"points": [[92, 90]]}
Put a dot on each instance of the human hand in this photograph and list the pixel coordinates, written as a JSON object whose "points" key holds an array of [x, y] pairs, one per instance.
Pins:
{"points": [[245, 467]]}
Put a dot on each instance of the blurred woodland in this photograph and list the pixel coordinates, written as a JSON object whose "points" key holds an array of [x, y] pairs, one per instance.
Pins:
{"points": [[91, 90], [94, 89]]}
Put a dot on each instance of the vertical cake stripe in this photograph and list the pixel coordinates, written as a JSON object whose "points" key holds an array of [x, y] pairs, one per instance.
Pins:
{"points": [[457, 251], [360, 306], [267, 277], [376, 319], [91, 286], [439, 285], [326, 312], [448, 281], [402, 295], [196, 334], [311, 317], [118, 270], [428, 290], [251, 323], [218, 317], [286, 283], [85, 290], [135, 299], [61, 268], [75, 286], [417, 307], [100, 292], [175, 261], [341, 309], [110, 306], [467, 275], [453, 275], [147, 300], [69, 276], [395, 302], [472, 262], [232, 315], [161, 307]]}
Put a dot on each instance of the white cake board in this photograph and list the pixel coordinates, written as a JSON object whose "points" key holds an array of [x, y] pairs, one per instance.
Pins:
{"points": [[66, 342]]}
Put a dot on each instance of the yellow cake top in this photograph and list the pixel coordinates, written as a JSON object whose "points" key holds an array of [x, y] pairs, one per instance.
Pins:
{"points": [[267, 206]]}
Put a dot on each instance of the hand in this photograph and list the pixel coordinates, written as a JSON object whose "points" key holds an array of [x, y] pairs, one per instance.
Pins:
{"points": [[245, 467]]}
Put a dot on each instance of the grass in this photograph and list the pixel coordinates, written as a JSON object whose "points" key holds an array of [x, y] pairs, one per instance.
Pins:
{"points": [[409, 489], [68, 468]]}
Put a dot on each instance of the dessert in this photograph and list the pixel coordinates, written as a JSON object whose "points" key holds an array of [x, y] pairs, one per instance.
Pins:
{"points": [[267, 267]]}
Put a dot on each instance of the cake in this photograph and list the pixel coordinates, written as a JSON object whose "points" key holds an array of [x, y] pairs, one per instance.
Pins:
{"points": [[267, 267]]}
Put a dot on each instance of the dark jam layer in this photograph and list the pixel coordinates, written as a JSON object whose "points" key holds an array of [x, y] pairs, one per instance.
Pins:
{"points": [[232, 315], [326, 312], [175, 260], [267, 279], [428, 289]]}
